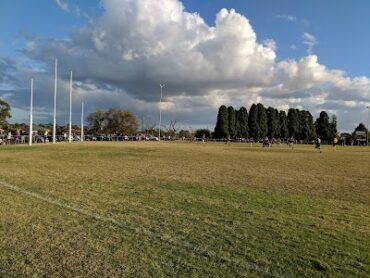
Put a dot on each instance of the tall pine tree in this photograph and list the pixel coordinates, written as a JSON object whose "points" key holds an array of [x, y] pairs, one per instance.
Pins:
{"points": [[272, 122], [304, 128], [283, 121], [293, 123], [232, 121], [222, 125], [262, 120], [254, 129], [323, 129], [333, 126], [243, 122]]}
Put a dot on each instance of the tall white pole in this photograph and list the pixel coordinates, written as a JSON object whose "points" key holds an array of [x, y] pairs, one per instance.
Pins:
{"points": [[70, 110], [31, 116], [160, 112], [82, 122], [367, 128], [55, 101]]}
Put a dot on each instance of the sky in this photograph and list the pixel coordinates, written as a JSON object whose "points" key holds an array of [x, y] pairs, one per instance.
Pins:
{"points": [[310, 55]]}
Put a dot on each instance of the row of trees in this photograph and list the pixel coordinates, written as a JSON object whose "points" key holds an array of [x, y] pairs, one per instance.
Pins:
{"points": [[271, 122]]}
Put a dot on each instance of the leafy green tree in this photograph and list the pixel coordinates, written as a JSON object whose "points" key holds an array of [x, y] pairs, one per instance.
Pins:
{"points": [[333, 126], [323, 129], [272, 122], [242, 117], [311, 125], [293, 122], [120, 122], [262, 119], [254, 129], [283, 122], [304, 127], [199, 133], [4, 113], [232, 121], [96, 121], [222, 124], [184, 133], [237, 124]]}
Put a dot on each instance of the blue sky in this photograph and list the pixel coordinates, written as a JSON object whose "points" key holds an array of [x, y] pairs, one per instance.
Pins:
{"points": [[334, 32]]}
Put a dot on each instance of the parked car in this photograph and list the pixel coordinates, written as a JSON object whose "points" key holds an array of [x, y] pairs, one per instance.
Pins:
{"points": [[151, 138]]}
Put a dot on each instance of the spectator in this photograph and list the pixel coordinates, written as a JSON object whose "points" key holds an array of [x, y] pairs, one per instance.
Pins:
{"points": [[335, 142], [9, 138], [318, 144]]}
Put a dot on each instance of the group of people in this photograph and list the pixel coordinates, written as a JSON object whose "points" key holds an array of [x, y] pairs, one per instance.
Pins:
{"points": [[9, 138], [20, 136], [267, 142]]}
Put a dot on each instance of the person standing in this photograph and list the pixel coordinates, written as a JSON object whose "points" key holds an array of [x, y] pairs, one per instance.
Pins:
{"points": [[9, 137], [335, 142], [318, 144], [46, 133]]}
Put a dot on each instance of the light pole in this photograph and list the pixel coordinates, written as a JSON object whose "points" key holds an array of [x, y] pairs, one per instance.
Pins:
{"points": [[82, 122], [31, 116], [70, 111], [367, 127], [55, 101], [160, 112]]}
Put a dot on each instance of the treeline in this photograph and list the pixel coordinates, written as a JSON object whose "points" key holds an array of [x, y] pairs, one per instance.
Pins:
{"points": [[260, 122]]}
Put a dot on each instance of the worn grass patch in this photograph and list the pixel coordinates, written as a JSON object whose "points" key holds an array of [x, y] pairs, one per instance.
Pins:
{"points": [[184, 209]]}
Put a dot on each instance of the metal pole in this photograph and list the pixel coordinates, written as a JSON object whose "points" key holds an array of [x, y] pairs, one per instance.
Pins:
{"points": [[82, 122], [31, 116], [70, 111], [55, 101], [367, 128], [160, 112]]}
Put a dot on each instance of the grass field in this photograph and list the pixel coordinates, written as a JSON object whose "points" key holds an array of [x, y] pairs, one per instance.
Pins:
{"points": [[183, 209]]}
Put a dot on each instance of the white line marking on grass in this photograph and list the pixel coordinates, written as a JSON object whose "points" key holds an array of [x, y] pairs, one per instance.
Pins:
{"points": [[139, 230]]}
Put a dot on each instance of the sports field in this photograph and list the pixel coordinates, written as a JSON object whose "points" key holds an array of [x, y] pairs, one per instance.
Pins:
{"points": [[156, 209]]}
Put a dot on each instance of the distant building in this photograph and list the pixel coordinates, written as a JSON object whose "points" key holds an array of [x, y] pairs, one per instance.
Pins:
{"points": [[360, 137]]}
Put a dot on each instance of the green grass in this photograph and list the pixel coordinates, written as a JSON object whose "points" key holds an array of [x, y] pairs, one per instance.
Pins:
{"points": [[185, 210]]}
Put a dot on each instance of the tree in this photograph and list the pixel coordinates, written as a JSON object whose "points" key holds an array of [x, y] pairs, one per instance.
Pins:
{"points": [[293, 122], [120, 122], [312, 129], [360, 127], [305, 132], [147, 125], [96, 121], [323, 126], [333, 126], [200, 132], [262, 120], [272, 122], [243, 129], [172, 130], [254, 129], [232, 121], [184, 133], [4, 113], [283, 122], [222, 125]]}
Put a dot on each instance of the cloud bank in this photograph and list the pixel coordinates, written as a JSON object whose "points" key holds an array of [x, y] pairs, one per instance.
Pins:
{"points": [[119, 59]]}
